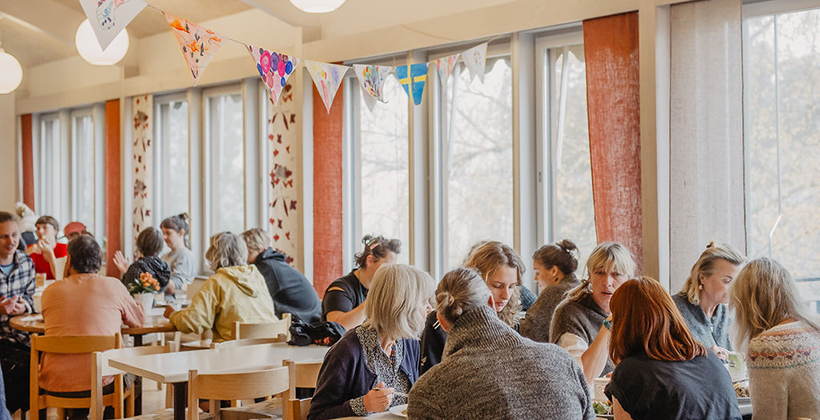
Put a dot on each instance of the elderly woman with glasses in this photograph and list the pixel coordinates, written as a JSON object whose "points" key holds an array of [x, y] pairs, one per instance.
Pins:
{"points": [[374, 365], [236, 292]]}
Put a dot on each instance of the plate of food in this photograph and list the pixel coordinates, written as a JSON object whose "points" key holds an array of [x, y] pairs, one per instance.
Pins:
{"points": [[602, 409], [399, 410]]}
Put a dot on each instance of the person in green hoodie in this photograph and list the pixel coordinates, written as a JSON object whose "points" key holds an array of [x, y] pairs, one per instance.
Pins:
{"points": [[236, 292]]}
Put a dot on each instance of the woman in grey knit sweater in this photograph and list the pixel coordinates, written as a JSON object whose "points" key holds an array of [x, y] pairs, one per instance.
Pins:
{"points": [[554, 266], [488, 371]]}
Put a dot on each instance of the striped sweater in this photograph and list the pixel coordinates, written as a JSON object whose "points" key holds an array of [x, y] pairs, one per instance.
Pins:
{"points": [[784, 372]]}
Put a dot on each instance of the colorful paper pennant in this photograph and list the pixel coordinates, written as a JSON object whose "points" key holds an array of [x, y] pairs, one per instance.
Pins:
{"points": [[327, 78], [476, 59], [109, 17], [198, 44], [274, 69], [412, 79], [371, 79], [445, 67]]}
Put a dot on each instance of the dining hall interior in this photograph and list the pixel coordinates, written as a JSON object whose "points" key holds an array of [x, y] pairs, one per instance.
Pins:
{"points": [[332, 208]]}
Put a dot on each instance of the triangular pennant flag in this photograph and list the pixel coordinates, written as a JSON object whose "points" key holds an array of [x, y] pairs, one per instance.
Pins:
{"points": [[476, 59], [198, 44], [109, 17], [371, 79], [412, 78], [274, 69], [445, 67], [327, 78]]}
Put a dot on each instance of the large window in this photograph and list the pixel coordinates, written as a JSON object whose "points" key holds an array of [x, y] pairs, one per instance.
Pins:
{"points": [[383, 169], [83, 164], [477, 142], [566, 169], [782, 122], [171, 147], [225, 137], [47, 167]]}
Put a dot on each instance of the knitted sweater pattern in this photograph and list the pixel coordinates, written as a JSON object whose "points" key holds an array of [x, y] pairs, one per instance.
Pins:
{"points": [[582, 318], [536, 324]]}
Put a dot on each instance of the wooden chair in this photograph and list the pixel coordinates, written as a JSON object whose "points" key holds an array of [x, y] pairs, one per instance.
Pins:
{"points": [[298, 409], [301, 375], [87, 344], [264, 329], [100, 368], [246, 342], [235, 386]]}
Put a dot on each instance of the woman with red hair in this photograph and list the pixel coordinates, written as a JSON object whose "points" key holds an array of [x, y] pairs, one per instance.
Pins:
{"points": [[661, 371]]}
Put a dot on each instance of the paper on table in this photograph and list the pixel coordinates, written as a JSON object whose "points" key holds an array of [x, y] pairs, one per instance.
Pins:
{"points": [[33, 317]]}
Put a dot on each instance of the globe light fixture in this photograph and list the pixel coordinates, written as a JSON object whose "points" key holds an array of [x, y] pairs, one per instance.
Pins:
{"points": [[90, 50], [317, 6], [11, 73]]}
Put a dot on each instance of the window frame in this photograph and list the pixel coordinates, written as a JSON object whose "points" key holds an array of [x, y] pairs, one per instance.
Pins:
{"points": [[161, 149]]}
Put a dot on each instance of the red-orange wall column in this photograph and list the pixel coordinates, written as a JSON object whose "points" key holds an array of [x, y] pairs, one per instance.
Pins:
{"points": [[327, 191], [113, 182], [613, 104], [28, 160]]}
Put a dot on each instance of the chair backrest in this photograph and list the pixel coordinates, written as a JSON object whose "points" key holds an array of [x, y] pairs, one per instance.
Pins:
{"points": [[235, 386], [263, 329], [100, 368], [247, 342], [302, 374], [75, 344], [298, 409]]}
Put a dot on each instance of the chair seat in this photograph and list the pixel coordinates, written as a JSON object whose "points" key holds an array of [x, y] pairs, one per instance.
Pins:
{"points": [[167, 414], [271, 408]]}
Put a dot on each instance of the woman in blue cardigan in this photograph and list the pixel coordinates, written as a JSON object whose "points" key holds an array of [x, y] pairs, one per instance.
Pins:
{"points": [[374, 365]]}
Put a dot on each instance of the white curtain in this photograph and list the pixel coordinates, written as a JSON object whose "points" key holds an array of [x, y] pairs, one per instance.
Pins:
{"points": [[706, 138]]}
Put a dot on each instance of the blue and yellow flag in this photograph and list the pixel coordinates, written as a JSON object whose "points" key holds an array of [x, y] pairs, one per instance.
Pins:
{"points": [[414, 80]]}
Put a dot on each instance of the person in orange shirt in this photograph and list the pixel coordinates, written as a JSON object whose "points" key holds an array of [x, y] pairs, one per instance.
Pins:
{"points": [[46, 250], [83, 303]]}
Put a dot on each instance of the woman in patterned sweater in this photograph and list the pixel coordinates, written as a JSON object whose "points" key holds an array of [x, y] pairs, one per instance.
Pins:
{"points": [[782, 342]]}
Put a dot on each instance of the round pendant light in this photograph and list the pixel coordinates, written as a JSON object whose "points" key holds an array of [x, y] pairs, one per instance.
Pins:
{"points": [[90, 50], [11, 73], [317, 6]]}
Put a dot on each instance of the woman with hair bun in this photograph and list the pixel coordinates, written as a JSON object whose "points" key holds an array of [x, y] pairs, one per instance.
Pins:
{"points": [[176, 234], [488, 371], [554, 267]]}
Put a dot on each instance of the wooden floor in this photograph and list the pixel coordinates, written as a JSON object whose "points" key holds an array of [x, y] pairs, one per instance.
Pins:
{"points": [[153, 399]]}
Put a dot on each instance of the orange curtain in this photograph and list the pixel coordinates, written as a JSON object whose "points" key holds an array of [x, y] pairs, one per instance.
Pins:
{"points": [[28, 161], [113, 214], [613, 104], [327, 191]]}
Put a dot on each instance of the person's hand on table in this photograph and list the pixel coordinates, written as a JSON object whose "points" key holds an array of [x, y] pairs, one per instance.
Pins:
{"points": [[722, 353], [378, 399], [168, 311], [12, 306], [121, 262]]}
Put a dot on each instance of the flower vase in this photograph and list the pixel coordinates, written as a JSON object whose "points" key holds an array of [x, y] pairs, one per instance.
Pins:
{"points": [[147, 301]]}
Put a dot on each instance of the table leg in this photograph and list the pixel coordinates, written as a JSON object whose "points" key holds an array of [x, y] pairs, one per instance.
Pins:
{"points": [[180, 400], [138, 383]]}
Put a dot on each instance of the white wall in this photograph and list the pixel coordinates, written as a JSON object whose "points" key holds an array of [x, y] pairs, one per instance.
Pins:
{"points": [[8, 150]]}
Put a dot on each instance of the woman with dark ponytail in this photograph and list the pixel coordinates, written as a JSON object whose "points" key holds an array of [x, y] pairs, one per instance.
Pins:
{"points": [[554, 267], [181, 260], [489, 371]]}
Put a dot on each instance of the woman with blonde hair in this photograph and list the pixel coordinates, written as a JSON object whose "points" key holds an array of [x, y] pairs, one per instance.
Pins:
{"points": [[513, 377], [374, 365], [704, 296], [781, 340], [662, 371], [502, 270], [578, 324]]}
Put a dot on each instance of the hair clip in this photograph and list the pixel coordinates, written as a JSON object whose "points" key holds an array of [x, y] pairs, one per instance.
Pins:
{"points": [[374, 244]]}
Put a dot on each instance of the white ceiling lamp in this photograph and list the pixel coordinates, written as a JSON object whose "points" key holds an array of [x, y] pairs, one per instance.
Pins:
{"points": [[90, 50], [317, 6], [11, 73]]}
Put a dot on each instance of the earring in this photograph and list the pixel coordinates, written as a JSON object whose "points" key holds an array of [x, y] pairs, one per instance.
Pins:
{"points": [[700, 286]]}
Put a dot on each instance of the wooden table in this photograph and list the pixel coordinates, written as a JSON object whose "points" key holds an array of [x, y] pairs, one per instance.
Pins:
{"points": [[154, 323], [172, 368]]}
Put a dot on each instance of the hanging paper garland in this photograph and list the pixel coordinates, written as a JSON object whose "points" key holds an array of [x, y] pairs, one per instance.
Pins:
{"points": [[412, 79], [109, 17], [198, 44], [327, 78], [372, 78], [445, 67], [274, 69], [476, 59]]}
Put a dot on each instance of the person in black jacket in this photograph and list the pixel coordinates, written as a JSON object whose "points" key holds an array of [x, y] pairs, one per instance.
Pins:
{"points": [[291, 292]]}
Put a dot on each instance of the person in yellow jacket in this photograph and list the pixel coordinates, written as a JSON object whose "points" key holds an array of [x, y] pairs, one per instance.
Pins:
{"points": [[236, 292]]}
